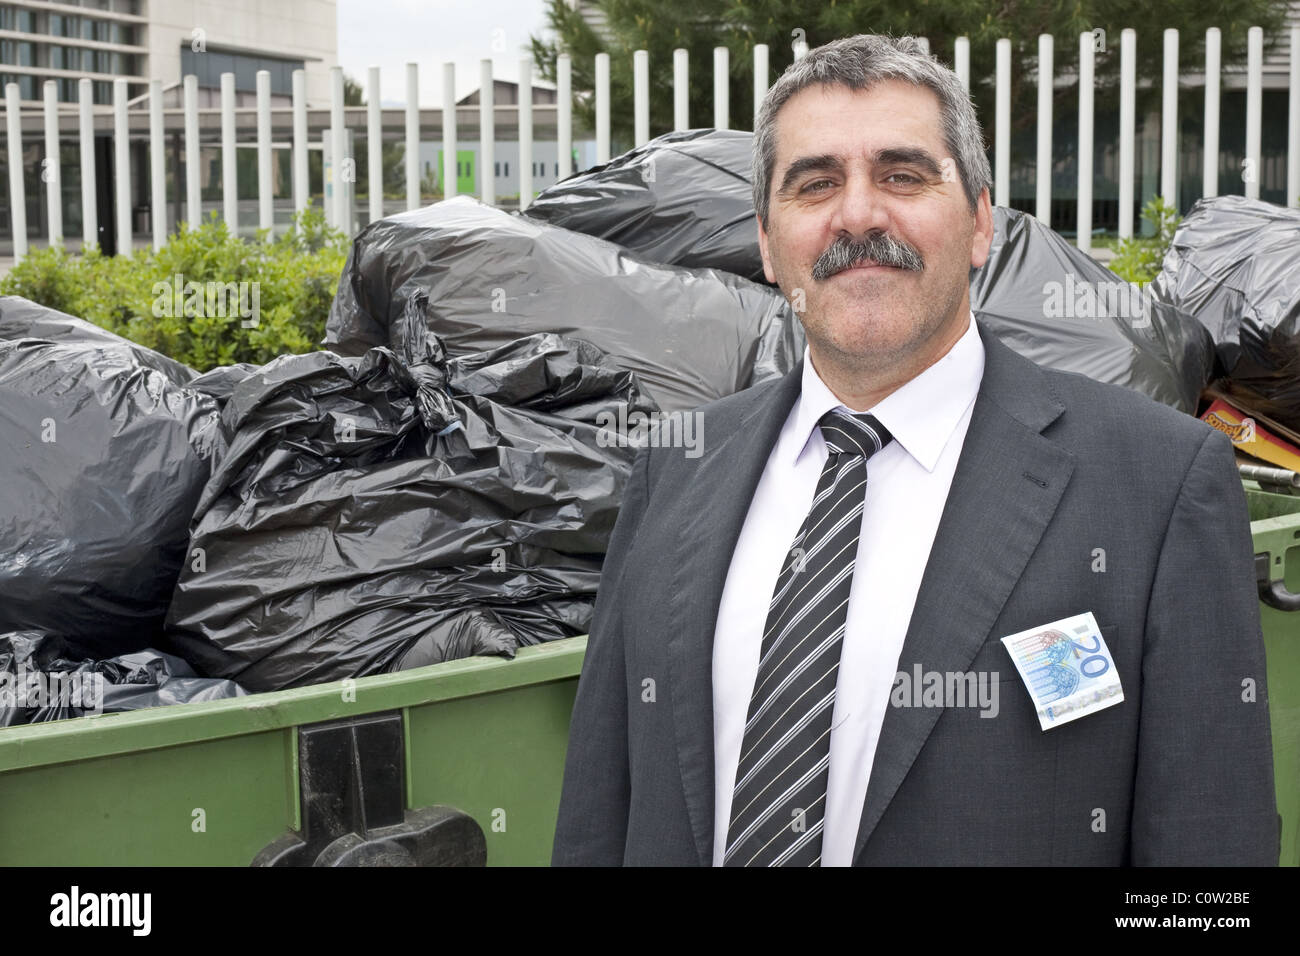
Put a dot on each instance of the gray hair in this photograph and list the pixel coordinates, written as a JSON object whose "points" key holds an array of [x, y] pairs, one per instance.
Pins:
{"points": [[859, 63]]}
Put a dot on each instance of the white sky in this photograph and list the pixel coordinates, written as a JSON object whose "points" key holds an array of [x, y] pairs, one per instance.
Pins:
{"points": [[391, 33]]}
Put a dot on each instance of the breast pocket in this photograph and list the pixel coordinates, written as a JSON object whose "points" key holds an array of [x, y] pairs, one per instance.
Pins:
{"points": [[1091, 661], [994, 659]]}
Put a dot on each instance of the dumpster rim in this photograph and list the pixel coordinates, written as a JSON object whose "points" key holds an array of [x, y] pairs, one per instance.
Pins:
{"points": [[27, 746]]}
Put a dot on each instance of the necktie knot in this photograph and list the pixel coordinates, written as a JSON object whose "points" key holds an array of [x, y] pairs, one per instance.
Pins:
{"points": [[846, 434]]}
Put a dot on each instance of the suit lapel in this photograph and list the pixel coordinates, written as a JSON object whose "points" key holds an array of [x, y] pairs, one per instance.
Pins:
{"points": [[1006, 487], [721, 488]]}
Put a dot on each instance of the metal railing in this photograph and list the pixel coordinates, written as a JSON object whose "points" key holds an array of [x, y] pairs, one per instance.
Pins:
{"points": [[334, 139]]}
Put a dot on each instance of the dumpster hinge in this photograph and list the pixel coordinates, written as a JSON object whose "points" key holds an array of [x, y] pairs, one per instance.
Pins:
{"points": [[351, 777]]}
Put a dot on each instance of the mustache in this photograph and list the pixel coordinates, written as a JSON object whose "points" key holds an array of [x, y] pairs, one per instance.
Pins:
{"points": [[878, 247]]}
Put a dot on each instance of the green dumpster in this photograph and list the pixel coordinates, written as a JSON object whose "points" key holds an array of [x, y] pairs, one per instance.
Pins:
{"points": [[468, 754], [1275, 528], [223, 782]]}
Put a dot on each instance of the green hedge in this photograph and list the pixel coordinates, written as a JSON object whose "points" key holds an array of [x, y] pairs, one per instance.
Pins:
{"points": [[287, 286], [1139, 259]]}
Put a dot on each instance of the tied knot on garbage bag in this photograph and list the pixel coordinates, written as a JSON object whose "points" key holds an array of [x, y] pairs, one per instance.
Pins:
{"points": [[431, 398], [423, 372]]}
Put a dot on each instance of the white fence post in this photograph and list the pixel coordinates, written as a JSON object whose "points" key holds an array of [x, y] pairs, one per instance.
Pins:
{"points": [[1210, 162], [1254, 101], [487, 185], [1127, 112], [229, 156], [525, 132], [1169, 122], [721, 88], [681, 89], [122, 167], [17, 194], [51, 175], [301, 188], [961, 61], [412, 136], [157, 166], [1087, 84], [89, 210], [1043, 170], [329, 203], [338, 148], [602, 108], [640, 97], [193, 188], [760, 76], [563, 115], [1002, 126], [450, 161], [265, 197], [374, 145]]}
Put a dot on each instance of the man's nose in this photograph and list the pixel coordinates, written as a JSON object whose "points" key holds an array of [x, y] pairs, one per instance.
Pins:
{"points": [[862, 208]]}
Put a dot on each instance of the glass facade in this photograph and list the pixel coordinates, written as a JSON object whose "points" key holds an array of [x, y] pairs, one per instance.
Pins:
{"points": [[79, 43], [209, 66], [49, 54]]}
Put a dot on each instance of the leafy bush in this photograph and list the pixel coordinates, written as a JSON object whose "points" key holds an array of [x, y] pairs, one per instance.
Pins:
{"points": [[187, 301], [1139, 259]]}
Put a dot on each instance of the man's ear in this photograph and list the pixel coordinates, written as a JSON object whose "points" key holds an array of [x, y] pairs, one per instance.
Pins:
{"points": [[762, 249], [982, 240]]}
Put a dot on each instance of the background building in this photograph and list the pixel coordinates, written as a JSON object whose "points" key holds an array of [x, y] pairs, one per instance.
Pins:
{"points": [[505, 151], [143, 40]]}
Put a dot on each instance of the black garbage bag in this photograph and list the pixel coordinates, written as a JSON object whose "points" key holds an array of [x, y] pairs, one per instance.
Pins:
{"points": [[683, 198], [23, 319], [482, 278], [1234, 266], [44, 677], [220, 382], [1064, 310], [375, 513], [102, 459]]}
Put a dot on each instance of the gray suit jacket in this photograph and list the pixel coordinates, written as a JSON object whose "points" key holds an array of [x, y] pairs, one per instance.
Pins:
{"points": [[1054, 466]]}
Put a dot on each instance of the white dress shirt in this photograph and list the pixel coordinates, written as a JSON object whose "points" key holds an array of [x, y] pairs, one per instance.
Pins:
{"points": [[907, 487]]}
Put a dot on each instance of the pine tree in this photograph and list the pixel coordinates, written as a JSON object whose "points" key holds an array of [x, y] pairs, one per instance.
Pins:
{"points": [[660, 26]]}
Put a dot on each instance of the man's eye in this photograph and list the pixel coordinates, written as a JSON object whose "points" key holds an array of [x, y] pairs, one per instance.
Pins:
{"points": [[905, 179], [816, 182]]}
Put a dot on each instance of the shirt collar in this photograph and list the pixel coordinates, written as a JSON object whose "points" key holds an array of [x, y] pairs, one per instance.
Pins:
{"points": [[921, 415]]}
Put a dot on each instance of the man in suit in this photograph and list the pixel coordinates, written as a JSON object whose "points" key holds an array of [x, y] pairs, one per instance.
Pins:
{"points": [[908, 495]]}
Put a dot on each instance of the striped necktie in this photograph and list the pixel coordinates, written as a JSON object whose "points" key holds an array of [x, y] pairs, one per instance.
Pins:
{"points": [[778, 806]]}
